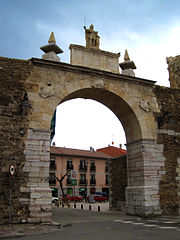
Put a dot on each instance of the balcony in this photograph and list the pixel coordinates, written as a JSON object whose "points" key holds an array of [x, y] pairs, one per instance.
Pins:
{"points": [[68, 182], [83, 182], [107, 182], [92, 168], [52, 182], [93, 182], [82, 168], [52, 165], [70, 167]]}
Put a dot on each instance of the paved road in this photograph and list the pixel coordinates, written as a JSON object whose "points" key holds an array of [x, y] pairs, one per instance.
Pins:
{"points": [[91, 225], [110, 230]]}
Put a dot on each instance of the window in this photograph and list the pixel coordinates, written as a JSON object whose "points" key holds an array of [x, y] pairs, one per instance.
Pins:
{"points": [[106, 167], [107, 179], [83, 165], [68, 179], [69, 164], [52, 165], [92, 166], [82, 179], [92, 179], [52, 179]]}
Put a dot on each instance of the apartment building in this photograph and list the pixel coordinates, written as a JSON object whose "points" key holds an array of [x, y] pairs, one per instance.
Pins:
{"points": [[90, 167]]}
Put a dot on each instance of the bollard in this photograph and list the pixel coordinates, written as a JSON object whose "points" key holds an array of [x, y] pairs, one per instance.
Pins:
{"points": [[81, 206], [74, 205], [89, 207], [98, 208]]}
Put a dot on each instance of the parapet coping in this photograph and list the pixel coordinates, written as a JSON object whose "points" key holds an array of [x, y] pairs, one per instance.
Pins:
{"points": [[90, 71], [94, 50]]}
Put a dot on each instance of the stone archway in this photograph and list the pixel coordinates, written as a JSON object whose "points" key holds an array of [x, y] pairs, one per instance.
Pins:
{"points": [[131, 99], [32, 89]]}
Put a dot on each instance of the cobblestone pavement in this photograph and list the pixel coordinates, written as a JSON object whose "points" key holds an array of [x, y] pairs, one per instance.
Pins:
{"points": [[66, 217]]}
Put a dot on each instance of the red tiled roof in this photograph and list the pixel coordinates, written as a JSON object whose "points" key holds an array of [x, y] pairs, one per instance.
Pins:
{"points": [[77, 152], [113, 151]]}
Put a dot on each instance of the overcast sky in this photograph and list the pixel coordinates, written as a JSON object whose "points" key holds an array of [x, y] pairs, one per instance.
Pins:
{"points": [[149, 29]]}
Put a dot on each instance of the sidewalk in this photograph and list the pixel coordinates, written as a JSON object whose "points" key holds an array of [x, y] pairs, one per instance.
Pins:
{"points": [[19, 230]]}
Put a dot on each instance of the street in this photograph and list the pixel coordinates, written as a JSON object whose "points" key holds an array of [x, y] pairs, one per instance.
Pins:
{"points": [[79, 224]]}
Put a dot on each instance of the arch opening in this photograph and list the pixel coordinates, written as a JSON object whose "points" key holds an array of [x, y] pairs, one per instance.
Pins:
{"points": [[117, 105]]}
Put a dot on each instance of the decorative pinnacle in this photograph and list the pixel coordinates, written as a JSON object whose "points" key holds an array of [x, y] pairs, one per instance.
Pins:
{"points": [[52, 38], [126, 56]]}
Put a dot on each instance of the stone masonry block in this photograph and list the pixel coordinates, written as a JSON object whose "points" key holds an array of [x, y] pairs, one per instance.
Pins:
{"points": [[35, 195], [24, 189], [40, 164], [42, 201], [34, 220], [24, 200]]}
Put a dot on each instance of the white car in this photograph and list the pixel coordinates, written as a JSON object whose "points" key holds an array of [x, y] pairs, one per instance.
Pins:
{"points": [[54, 199]]}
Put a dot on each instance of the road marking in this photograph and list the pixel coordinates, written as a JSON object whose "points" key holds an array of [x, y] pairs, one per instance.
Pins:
{"points": [[127, 221], [150, 225], [168, 222], [137, 223], [166, 227]]}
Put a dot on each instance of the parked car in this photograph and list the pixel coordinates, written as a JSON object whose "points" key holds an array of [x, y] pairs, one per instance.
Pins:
{"points": [[74, 198], [104, 194], [54, 199], [99, 198]]}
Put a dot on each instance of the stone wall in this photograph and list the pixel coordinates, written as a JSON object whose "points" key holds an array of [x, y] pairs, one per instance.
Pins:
{"points": [[13, 130], [174, 73], [117, 181], [169, 135]]}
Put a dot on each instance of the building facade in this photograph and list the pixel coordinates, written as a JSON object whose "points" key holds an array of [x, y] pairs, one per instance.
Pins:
{"points": [[90, 167]]}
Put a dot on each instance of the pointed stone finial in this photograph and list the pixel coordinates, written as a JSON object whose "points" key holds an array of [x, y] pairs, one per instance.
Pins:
{"points": [[127, 66], [126, 56], [52, 38], [51, 50]]}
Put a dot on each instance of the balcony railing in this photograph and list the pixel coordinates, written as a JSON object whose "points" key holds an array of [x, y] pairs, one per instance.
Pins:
{"points": [[82, 168], [68, 182], [93, 182], [70, 167], [107, 182], [52, 165], [92, 168], [52, 182], [83, 182]]}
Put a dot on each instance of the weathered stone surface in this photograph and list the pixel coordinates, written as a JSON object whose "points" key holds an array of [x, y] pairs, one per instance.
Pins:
{"points": [[152, 134], [13, 129], [174, 73], [94, 58], [168, 135]]}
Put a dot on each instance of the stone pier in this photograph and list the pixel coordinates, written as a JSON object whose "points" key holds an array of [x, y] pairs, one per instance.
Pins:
{"points": [[145, 161], [37, 166]]}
